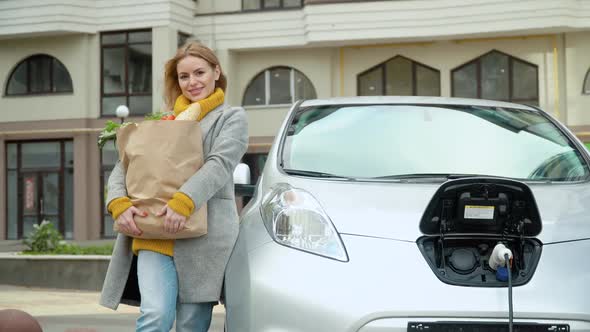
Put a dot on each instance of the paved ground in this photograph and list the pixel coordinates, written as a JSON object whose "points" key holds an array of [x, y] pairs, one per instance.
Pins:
{"points": [[77, 311]]}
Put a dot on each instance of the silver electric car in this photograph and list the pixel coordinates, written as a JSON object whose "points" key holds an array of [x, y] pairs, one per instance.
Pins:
{"points": [[412, 214]]}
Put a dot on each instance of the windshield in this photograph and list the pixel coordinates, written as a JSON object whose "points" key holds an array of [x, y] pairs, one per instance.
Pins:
{"points": [[385, 141]]}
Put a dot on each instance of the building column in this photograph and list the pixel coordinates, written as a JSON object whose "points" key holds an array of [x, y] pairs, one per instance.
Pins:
{"points": [[87, 221], [164, 46]]}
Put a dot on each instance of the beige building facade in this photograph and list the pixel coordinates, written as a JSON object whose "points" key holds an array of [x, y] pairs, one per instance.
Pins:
{"points": [[66, 65]]}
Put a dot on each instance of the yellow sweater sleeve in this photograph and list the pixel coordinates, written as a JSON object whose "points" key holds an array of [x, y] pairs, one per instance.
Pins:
{"points": [[118, 206], [182, 204]]}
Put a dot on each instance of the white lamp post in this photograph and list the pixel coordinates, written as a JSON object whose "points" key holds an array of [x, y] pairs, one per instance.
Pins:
{"points": [[122, 112]]}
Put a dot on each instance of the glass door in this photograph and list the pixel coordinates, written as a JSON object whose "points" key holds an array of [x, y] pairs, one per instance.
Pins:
{"points": [[30, 203], [40, 200]]}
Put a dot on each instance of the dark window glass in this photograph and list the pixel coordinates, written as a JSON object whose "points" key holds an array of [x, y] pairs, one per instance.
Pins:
{"points": [[39, 74], [494, 76], [427, 81], [399, 76], [291, 3], [69, 189], [140, 37], [127, 72], [465, 81], [41, 155], [11, 156], [255, 94], [497, 76], [61, 78], [303, 87], [270, 4], [12, 208], [371, 83], [113, 70], [140, 68], [250, 4], [525, 87], [109, 104], [284, 85], [17, 84], [280, 87], [114, 38]]}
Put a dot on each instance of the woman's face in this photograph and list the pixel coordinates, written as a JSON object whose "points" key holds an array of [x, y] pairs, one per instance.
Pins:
{"points": [[196, 77]]}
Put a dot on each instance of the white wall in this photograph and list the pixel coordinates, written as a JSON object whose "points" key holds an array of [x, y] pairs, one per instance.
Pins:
{"points": [[391, 21], [51, 17], [578, 63], [79, 54]]}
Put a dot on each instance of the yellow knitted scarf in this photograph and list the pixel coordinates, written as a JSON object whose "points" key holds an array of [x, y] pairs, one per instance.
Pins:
{"points": [[207, 105]]}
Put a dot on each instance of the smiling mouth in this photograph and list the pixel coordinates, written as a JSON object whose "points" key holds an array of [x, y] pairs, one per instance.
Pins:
{"points": [[195, 91]]}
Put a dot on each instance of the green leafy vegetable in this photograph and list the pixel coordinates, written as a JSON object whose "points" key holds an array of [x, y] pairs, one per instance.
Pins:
{"points": [[109, 133], [158, 115]]}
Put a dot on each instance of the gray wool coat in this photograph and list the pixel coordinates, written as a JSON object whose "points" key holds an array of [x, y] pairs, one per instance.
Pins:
{"points": [[200, 262]]}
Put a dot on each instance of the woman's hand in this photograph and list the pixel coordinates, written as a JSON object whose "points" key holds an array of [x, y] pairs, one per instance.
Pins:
{"points": [[126, 222], [173, 222]]}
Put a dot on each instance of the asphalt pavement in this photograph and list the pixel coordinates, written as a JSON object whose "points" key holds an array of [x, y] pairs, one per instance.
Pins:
{"points": [[60, 310]]}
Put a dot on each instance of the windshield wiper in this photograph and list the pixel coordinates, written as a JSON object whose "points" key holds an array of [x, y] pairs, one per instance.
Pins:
{"points": [[315, 174], [446, 176]]}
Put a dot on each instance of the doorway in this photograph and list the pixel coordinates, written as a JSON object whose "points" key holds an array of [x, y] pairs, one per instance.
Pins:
{"points": [[39, 186]]}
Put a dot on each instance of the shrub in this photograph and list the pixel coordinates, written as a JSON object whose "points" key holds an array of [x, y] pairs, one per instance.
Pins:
{"points": [[44, 238]]}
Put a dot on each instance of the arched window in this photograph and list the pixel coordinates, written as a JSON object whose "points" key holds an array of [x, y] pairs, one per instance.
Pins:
{"points": [[39, 74], [498, 76], [278, 85], [399, 76], [586, 90]]}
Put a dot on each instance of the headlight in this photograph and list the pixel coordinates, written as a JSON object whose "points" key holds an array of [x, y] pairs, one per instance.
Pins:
{"points": [[294, 218]]}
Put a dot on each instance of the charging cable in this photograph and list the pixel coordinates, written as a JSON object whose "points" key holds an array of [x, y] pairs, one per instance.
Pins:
{"points": [[510, 310], [501, 261]]}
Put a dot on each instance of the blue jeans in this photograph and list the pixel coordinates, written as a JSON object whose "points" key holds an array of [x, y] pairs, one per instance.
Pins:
{"points": [[158, 286]]}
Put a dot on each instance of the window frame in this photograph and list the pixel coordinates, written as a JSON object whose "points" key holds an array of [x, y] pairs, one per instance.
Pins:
{"points": [[478, 75], [262, 8], [384, 76], [126, 46], [586, 83], [27, 62], [266, 75]]}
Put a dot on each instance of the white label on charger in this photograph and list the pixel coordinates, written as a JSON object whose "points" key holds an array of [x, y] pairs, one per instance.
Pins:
{"points": [[479, 212]]}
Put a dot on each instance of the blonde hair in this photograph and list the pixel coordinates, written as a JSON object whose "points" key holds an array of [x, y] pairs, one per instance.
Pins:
{"points": [[192, 48]]}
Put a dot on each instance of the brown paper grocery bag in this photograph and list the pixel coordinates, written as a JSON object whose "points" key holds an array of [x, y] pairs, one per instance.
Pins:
{"points": [[159, 156]]}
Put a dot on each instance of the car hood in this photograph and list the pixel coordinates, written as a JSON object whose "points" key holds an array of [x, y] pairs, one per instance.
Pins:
{"points": [[394, 210]]}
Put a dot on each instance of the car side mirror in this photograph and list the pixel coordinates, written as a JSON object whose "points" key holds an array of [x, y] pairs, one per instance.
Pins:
{"points": [[242, 174]]}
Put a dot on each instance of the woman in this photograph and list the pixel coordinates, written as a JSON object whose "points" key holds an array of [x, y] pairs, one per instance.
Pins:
{"points": [[182, 278]]}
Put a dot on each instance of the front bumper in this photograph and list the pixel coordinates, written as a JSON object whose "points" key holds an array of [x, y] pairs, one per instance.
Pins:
{"points": [[386, 284]]}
